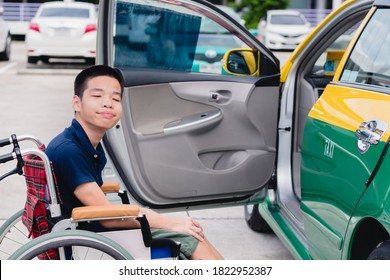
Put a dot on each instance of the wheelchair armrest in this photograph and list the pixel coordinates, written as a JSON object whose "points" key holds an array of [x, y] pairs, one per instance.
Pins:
{"points": [[114, 187], [110, 187], [113, 211]]}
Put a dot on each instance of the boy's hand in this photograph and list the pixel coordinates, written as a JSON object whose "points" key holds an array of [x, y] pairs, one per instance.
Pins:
{"points": [[187, 225]]}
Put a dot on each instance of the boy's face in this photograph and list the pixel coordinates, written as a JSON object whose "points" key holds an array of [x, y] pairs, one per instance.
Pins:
{"points": [[101, 105]]}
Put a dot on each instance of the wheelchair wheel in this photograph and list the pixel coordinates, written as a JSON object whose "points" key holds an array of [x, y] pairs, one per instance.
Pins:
{"points": [[84, 245], [13, 234]]}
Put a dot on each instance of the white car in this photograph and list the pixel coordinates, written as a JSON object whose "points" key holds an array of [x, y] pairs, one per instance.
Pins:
{"points": [[5, 38], [283, 29], [62, 30]]}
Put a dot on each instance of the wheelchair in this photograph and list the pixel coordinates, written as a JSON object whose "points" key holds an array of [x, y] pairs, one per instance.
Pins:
{"points": [[28, 234]]}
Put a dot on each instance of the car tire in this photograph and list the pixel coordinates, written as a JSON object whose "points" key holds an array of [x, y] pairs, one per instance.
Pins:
{"points": [[381, 252], [90, 61], [32, 59], [255, 221], [45, 60], [6, 54]]}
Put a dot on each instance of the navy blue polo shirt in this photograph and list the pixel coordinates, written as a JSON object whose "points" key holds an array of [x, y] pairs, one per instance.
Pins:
{"points": [[75, 162]]}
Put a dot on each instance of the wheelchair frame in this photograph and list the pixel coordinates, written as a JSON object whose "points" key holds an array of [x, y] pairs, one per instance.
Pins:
{"points": [[64, 234]]}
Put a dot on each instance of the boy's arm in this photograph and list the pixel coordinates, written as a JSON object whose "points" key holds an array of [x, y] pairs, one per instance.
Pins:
{"points": [[90, 194]]}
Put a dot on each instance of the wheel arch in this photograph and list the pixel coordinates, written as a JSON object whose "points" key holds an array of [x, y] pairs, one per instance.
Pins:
{"points": [[367, 235]]}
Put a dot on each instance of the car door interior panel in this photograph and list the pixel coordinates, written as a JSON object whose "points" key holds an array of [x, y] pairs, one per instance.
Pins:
{"points": [[196, 140], [190, 133]]}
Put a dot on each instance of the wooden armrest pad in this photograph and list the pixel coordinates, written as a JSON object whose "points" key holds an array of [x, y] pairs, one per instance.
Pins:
{"points": [[110, 186], [105, 211]]}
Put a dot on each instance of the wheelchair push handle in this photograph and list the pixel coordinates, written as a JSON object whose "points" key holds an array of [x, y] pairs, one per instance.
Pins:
{"points": [[16, 152], [13, 139], [7, 157], [5, 142]]}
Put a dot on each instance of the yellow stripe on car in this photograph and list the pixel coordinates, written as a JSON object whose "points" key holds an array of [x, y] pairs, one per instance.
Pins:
{"points": [[348, 107]]}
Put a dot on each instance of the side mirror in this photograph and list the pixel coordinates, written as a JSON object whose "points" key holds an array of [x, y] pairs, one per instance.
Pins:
{"points": [[242, 62]]}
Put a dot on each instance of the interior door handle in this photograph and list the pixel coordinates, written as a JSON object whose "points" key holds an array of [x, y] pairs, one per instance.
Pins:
{"points": [[220, 96]]}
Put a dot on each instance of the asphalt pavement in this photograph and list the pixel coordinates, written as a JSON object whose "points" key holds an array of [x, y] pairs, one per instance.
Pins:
{"points": [[36, 100]]}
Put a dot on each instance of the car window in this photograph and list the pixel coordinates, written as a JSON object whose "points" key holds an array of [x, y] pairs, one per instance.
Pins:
{"points": [[369, 59], [169, 37], [340, 44], [65, 12]]}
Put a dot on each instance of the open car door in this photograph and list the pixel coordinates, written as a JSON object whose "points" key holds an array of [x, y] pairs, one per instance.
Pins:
{"points": [[190, 133]]}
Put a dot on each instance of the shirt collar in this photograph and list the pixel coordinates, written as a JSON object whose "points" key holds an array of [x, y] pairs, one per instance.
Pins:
{"points": [[78, 132]]}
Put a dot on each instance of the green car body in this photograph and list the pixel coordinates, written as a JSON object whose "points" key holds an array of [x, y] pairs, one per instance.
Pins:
{"points": [[344, 182]]}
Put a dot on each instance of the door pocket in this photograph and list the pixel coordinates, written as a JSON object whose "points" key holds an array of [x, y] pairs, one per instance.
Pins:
{"points": [[223, 160]]}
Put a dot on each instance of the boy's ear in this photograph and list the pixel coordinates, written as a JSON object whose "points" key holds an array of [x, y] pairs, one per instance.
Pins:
{"points": [[76, 103]]}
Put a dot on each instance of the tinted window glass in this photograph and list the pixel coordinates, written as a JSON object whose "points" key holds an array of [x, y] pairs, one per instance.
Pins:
{"points": [[369, 62], [165, 36], [65, 12], [155, 38]]}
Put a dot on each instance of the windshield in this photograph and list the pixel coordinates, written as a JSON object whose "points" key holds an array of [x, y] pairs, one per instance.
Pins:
{"points": [[287, 20]]}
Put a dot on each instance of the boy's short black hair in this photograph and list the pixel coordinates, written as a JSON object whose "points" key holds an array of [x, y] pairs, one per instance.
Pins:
{"points": [[80, 83]]}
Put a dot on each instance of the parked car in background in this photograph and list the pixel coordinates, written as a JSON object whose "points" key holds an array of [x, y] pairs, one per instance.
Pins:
{"points": [[5, 38], [283, 29], [62, 30]]}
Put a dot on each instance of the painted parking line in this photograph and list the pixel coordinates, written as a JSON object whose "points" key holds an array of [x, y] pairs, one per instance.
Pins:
{"points": [[8, 66], [41, 71]]}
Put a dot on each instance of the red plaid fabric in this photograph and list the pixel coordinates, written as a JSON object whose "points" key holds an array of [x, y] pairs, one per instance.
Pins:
{"points": [[35, 215]]}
